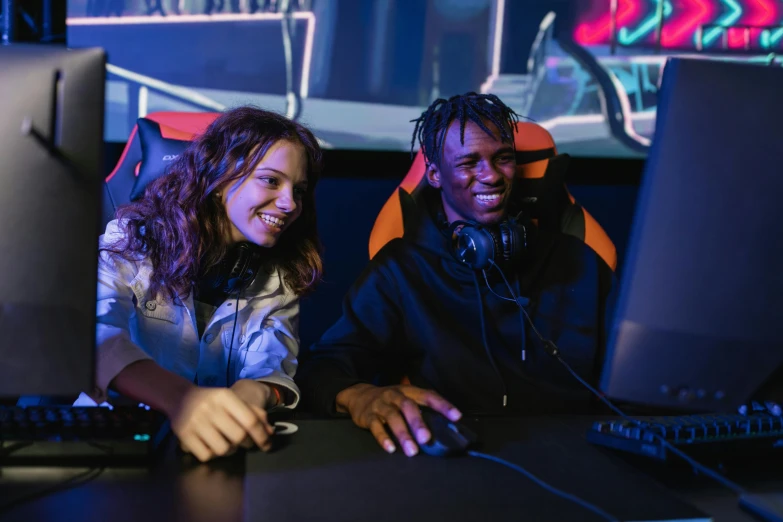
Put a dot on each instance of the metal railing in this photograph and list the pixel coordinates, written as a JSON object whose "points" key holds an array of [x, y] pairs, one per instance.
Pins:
{"points": [[139, 87], [536, 62], [536, 65], [538, 51]]}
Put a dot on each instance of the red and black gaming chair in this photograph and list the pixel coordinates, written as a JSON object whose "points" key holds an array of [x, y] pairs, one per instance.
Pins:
{"points": [[545, 197], [154, 142]]}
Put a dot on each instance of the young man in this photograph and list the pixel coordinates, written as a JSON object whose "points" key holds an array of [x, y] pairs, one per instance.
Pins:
{"points": [[456, 333]]}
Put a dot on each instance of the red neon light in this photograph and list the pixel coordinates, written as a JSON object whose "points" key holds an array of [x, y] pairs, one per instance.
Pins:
{"points": [[598, 32], [736, 38], [687, 17], [762, 12], [677, 32]]}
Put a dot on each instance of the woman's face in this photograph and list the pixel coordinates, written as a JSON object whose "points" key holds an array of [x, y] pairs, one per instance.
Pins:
{"points": [[265, 203]]}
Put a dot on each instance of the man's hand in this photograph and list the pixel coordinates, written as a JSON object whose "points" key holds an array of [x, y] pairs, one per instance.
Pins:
{"points": [[373, 408], [212, 422]]}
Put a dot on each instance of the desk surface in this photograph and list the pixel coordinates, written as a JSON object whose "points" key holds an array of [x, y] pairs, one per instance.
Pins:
{"points": [[331, 470]]}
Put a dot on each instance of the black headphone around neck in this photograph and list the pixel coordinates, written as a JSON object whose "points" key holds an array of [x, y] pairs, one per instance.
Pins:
{"points": [[479, 246], [237, 270]]}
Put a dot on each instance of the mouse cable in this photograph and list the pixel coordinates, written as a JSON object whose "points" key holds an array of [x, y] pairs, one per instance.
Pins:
{"points": [[548, 487], [552, 349]]}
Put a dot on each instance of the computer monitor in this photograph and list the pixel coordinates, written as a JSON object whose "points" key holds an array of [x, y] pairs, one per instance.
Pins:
{"points": [[51, 140], [699, 317]]}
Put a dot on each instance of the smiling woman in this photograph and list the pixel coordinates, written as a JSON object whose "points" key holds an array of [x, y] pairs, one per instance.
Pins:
{"points": [[264, 204], [202, 276]]}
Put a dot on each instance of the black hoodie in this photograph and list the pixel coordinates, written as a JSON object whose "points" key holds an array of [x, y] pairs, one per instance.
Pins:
{"points": [[415, 312]]}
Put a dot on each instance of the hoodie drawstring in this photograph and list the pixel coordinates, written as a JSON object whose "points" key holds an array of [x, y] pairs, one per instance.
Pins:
{"points": [[486, 344], [520, 302]]}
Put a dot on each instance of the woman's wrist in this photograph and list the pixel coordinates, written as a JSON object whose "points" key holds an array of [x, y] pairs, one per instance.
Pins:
{"points": [[259, 393], [172, 399], [275, 396], [147, 382]]}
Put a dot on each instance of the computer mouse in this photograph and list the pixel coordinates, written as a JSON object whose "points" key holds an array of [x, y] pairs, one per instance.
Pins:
{"points": [[448, 437]]}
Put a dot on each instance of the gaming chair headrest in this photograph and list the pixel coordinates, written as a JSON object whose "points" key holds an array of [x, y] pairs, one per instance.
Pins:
{"points": [[161, 131]]}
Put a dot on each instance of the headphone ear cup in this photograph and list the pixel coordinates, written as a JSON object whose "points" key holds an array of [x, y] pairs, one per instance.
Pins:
{"points": [[475, 247], [509, 242], [244, 268], [514, 240]]}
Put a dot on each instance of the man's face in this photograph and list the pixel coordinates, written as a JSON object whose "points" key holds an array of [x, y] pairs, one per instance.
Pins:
{"points": [[475, 176]]}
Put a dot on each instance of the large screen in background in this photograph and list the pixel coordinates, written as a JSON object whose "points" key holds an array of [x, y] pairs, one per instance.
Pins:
{"points": [[358, 71]]}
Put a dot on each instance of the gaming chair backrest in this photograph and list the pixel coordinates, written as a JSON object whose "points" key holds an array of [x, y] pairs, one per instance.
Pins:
{"points": [[176, 127]]}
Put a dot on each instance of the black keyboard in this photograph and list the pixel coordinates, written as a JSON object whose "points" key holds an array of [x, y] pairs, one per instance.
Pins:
{"points": [[63, 435], [702, 435]]}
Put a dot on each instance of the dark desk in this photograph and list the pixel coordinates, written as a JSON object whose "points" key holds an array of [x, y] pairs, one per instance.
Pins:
{"points": [[331, 470]]}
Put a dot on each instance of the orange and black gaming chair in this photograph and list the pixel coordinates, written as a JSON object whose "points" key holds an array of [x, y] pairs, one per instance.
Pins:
{"points": [[171, 126], [541, 187]]}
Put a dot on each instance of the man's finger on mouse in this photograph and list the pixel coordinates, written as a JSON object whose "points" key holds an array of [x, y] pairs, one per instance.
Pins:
{"points": [[399, 428], [441, 405], [412, 415]]}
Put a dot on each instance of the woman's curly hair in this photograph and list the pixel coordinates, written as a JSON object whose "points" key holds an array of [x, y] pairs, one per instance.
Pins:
{"points": [[181, 224]]}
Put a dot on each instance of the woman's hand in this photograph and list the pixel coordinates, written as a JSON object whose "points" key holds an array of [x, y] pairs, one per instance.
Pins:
{"points": [[254, 392], [209, 422], [212, 422]]}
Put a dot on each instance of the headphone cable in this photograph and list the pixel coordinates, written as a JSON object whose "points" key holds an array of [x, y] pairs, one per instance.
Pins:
{"points": [[231, 345], [503, 385], [551, 348], [523, 351], [516, 467]]}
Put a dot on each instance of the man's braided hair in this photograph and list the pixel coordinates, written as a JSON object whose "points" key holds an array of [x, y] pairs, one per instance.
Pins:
{"points": [[431, 126]]}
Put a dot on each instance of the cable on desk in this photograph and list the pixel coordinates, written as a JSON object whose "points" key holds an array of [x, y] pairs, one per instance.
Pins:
{"points": [[546, 486], [733, 486], [76, 480], [8, 449]]}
